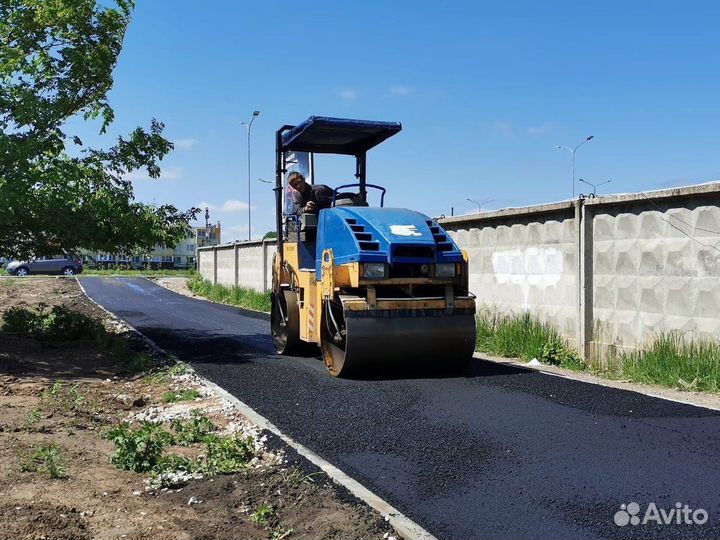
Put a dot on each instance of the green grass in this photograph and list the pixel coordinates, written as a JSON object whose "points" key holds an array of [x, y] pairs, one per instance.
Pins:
{"points": [[523, 336], [264, 512], [148, 273], [671, 360], [61, 397], [46, 459], [184, 394], [236, 296], [165, 375]]}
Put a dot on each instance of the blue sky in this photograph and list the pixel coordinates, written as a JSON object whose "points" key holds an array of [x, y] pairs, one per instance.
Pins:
{"points": [[484, 90]]}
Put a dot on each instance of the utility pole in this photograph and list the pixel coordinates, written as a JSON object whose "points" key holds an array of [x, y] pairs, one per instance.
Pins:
{"points": [[248, 125], [572, 151]]}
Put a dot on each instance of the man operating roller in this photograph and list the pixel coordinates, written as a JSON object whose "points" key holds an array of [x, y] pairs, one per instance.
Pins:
{"points": [[309, 199]]}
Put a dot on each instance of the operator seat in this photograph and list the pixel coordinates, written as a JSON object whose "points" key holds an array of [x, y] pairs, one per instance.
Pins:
{"points": [[349, 199]]}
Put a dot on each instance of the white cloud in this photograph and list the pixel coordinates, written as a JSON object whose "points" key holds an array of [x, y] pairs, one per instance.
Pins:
{"points": [[231, 205], [504, 128], [399, 90], [166, 173], [184, 144], [348, 94], [545, 127]]}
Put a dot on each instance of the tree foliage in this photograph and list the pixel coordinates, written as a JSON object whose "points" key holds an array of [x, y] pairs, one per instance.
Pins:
{"points": [[56, 63]]}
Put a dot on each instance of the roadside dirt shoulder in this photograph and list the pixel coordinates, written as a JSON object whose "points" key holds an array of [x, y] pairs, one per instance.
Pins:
{"points": [[175, 284], [61, 399]]}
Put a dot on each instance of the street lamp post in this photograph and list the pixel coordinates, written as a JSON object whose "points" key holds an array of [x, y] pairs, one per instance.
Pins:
{"points": [[479, 204], [572, 152], [248, 125], [594, 186]]}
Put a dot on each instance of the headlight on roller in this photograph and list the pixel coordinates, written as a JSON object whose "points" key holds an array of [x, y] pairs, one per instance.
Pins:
{"points": [[445, 270], [374, 270]]}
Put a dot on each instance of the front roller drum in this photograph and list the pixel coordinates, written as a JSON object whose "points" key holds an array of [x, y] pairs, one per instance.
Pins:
{"points": [[363, 341]]}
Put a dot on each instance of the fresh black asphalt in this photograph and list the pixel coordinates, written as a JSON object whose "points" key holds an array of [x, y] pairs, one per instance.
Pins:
{"points": [[492, 452]]}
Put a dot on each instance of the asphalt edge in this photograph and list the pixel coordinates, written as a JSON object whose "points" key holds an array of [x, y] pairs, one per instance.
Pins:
{"points": [[405, 526]]}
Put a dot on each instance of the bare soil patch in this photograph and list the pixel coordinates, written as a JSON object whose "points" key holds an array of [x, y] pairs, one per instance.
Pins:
{"points": [[176, 284], [67, 395]]}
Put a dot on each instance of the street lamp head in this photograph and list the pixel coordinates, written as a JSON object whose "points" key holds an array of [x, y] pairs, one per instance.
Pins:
{"points": [[257, 113], [591, 137]]}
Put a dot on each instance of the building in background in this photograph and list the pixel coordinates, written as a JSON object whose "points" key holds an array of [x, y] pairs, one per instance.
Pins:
{"points": [[183, 255]]}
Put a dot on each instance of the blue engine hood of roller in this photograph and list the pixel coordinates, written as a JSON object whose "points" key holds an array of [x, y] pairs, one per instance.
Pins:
{"points": [[391, 235]]}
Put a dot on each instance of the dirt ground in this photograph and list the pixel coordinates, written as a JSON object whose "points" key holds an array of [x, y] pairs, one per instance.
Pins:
{"points": [[177, 284], [98, 500]]}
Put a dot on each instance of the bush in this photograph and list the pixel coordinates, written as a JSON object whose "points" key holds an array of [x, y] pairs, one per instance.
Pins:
{"points": [[64, 324], [224, 455], [138, 449], [142, 449], [194, 430], [61, 323]]}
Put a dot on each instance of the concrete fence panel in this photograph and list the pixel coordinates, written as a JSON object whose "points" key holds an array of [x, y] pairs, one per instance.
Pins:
{"points": [[225, 265], [655, 266], [242, 264], [523, 261]]}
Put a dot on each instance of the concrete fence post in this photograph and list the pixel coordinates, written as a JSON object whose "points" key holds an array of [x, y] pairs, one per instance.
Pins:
{"points": [[264, 265], [214, 250], [579, 278], [586, 269], [236, 251]]}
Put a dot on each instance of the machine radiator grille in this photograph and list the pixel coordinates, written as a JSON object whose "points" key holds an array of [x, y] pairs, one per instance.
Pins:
{"points": [[441, 239], [364, 239]]}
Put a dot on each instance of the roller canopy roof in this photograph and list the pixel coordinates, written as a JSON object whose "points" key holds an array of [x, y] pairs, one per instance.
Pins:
{"points": [[326, 135]]}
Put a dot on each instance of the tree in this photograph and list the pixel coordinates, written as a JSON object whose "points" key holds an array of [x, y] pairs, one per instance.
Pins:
{"points": [[56, 62]]}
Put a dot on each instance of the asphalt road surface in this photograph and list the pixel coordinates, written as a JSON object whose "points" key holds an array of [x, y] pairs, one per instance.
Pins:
{"points": [[492, 452]]}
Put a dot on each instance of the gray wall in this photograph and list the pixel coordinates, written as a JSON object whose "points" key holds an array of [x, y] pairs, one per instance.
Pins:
{"points": [[610, 273], [523, 259], [241, 264]]}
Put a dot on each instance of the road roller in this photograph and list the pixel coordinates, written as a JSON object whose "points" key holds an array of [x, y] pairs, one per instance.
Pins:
{"points": [[372, 286]]}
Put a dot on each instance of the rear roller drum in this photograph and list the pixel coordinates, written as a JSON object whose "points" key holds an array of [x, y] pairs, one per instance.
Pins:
{"points": [[285, 322]]}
